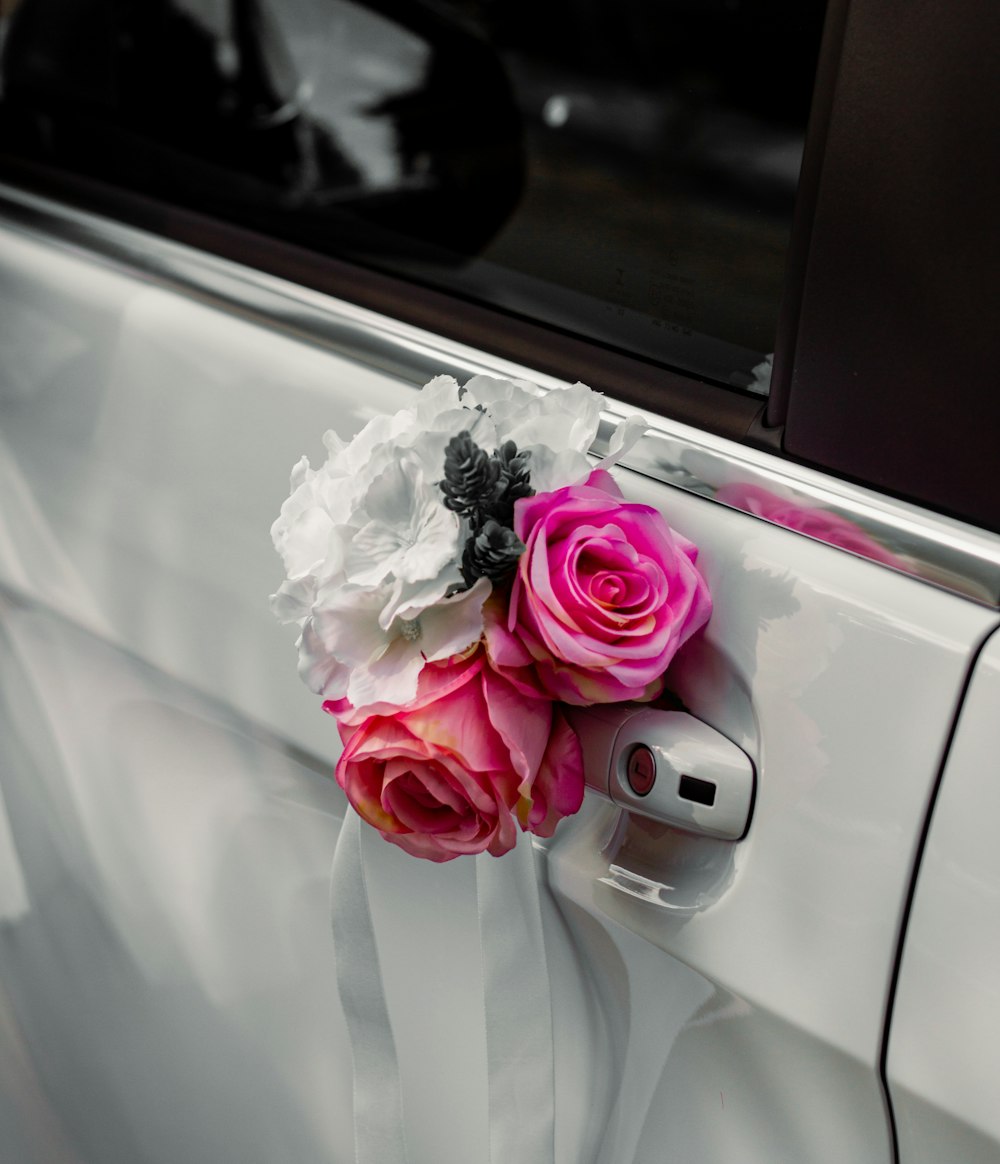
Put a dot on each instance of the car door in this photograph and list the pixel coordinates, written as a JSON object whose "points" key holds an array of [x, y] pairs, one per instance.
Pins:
{"points": [[941, 1051], [167, 976]]}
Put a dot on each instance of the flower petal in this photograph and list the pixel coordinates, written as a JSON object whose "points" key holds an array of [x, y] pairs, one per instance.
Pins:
{"points": [[454, 624], [389, 679]]}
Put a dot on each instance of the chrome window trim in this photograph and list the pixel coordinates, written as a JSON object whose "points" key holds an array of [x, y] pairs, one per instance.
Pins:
{"points": [[939, 550]]}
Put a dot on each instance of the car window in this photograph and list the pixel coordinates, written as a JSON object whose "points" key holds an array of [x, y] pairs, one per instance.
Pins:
{"points": [[621, 171]]}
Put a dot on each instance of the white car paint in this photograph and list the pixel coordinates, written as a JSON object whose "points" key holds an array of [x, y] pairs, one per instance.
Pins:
{"points": [[165, 961], [944, 1050]]}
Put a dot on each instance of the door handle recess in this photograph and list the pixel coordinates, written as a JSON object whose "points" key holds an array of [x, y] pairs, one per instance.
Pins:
{"points": [[669, 766]]}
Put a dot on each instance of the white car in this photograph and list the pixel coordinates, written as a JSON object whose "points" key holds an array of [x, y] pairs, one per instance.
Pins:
{"points": [[226, 228]]}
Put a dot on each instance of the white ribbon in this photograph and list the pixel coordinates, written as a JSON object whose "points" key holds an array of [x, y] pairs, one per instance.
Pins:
{"points": [[517, 1008], [379, 1131]]}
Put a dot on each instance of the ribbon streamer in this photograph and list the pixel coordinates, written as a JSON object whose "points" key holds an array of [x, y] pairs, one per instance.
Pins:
{"points": [[518, 1008], [379, 1130]]}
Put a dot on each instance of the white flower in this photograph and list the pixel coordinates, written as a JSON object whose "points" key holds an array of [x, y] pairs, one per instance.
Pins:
{"points": [[410, 534], [563, 418], [294, 600], [556, 427], [437, 397], [327, 506], [626, 433], [305, 532], [319, 670], [382, 664], [410, 539]]}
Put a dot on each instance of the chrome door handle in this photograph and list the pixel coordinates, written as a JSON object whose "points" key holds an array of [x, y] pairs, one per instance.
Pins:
{"points": [[669, 766]]}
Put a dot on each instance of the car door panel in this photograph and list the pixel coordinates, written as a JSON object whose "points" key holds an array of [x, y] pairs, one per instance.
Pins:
{"points": [[165, 988], [712, 1000], [943, 1051], [840, 680]]}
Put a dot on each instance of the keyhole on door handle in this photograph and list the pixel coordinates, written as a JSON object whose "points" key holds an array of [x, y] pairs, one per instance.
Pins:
{"points": [[668, 765], [641, 770]]}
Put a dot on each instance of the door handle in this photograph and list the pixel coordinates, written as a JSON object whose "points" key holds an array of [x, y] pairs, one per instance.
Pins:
{"points": [[669, 766]]}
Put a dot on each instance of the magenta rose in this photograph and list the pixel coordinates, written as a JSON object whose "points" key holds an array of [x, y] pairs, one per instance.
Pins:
{"points": [[817, 523], [605, 593], [457, 769]]}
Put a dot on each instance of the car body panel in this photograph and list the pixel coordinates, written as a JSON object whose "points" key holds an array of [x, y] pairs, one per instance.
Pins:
{"points": [[711, 999], [944, 1053], [166, 971], [793, 931]]}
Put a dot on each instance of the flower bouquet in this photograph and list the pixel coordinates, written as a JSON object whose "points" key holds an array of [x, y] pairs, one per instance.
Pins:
{"points": [[459, 572]]}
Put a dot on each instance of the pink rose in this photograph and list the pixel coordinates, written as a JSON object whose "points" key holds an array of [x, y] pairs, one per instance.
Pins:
{"points": [[454, 770], [817, 523], [605, 592]]}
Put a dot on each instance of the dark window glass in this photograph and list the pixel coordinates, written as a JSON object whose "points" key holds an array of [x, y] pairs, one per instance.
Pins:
{"points": [[620, 169]]}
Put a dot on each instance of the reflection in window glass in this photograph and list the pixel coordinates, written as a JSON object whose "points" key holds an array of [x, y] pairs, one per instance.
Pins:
{"points": [[620, 169]]}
